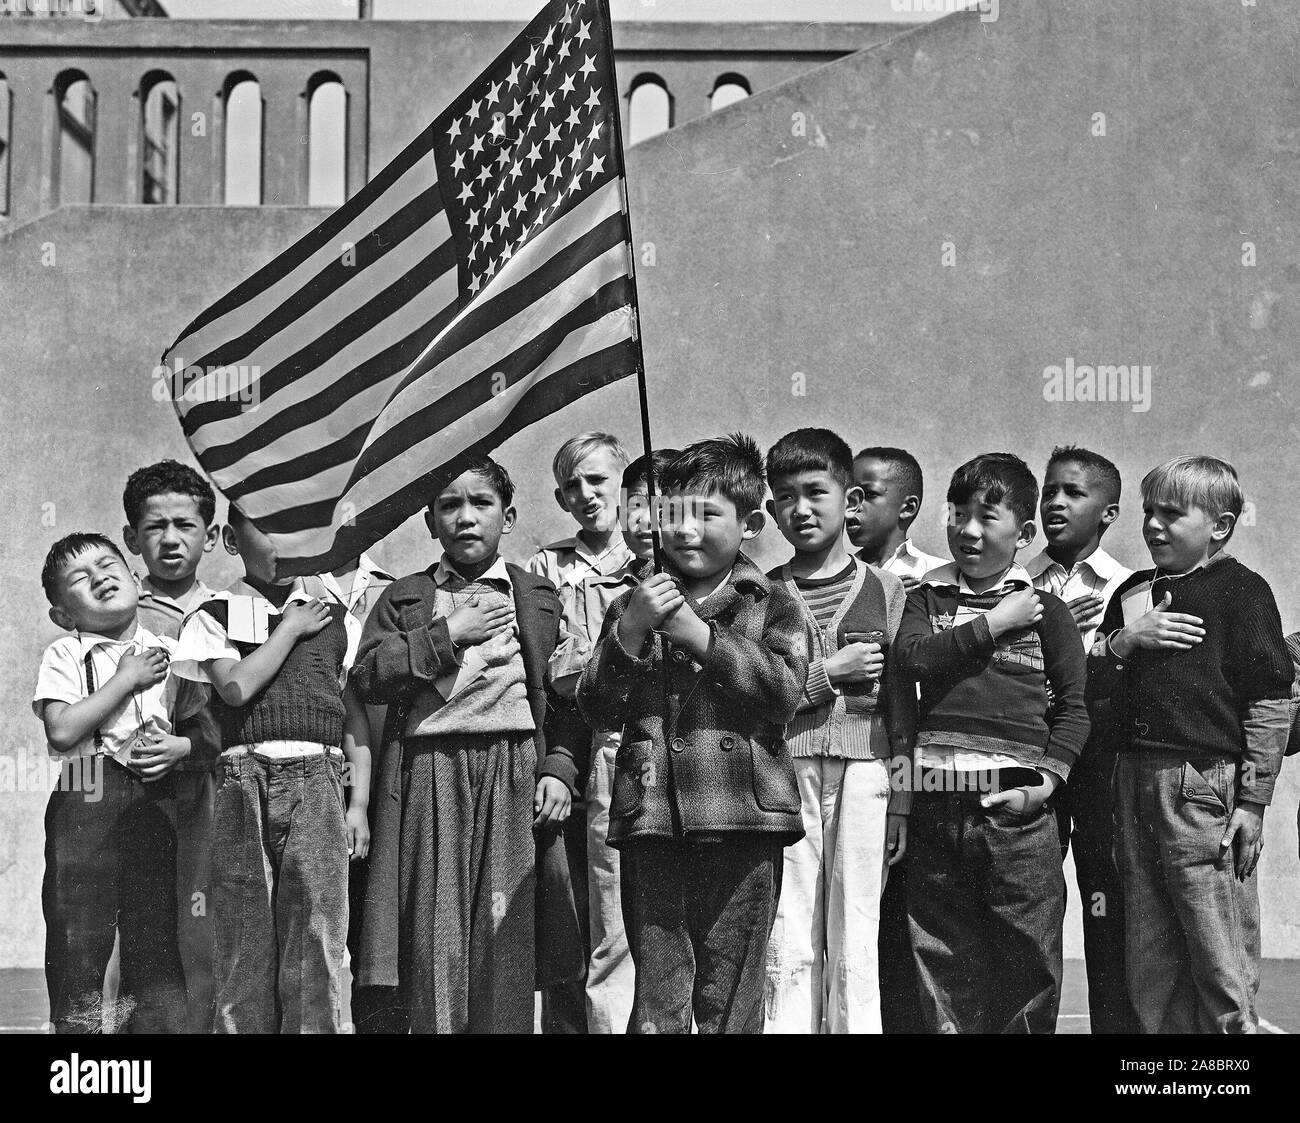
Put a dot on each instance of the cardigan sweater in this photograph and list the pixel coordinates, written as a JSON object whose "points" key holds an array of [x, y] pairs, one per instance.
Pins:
{"points": [[1206, 701], [704, 750], [877, 724], [1021, 695]]}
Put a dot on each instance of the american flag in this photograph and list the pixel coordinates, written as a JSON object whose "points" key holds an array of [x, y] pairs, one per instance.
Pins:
{"points": [[481, 281]]}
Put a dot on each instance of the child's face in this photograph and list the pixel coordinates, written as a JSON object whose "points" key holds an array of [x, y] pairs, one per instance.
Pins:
{"points": [[984, 537], [1075, 509], [638, 532], [96, 593], [468, 519], [255, 550], [703, 533], [1180, 536], [170, 536], [590, 494], [882, 507], [809, 508]]}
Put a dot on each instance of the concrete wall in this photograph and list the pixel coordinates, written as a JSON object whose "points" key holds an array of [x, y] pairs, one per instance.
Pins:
{"points": [[801, 232]]}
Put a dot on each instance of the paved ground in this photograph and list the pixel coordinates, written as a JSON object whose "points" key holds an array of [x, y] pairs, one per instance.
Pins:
{"points": [[23, 1006]]}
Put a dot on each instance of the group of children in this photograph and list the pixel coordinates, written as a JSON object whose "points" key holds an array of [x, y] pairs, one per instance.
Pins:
{"points": [[666, 789]]}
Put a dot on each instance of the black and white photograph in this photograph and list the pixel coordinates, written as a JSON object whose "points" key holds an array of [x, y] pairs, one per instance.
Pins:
{"points": [[560, 517]]}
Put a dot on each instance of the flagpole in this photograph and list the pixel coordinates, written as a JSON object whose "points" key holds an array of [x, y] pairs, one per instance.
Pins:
{"points": [[641, 392]]}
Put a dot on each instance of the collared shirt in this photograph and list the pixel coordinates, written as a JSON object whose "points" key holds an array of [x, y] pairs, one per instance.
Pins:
{"points": [[1097, 575], [496, 575], [367, 581], [63, 678], [952, 758], [587, 584], [908, 561], [163, 614]]}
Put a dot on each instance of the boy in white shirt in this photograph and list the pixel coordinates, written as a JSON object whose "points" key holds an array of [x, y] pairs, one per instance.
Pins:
{"points": [[110, 706]]}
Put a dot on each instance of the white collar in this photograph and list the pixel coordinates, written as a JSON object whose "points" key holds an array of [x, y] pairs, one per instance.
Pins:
{"points": [[446, 569], [195, 597], [950, 575], [363, 577], [139, 639], [1101, 563], [617, 545]]}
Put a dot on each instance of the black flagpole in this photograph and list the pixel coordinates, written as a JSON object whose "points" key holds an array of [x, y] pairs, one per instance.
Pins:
{"points": [[642, 396]]}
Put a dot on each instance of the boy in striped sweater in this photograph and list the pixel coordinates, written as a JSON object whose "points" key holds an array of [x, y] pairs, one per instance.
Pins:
{"points": [[854, 716], [1002, 720]]}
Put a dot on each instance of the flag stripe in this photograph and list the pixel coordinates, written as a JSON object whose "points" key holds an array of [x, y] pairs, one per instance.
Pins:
{"points": [[323, 236]]}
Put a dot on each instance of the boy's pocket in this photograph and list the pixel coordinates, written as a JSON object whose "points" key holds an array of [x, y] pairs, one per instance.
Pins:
{"points": [[1205, 789], [634, 771], [775, 786]]}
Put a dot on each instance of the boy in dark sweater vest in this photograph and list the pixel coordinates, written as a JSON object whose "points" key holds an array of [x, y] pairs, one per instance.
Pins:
{"points": [[1191, 667], [1002, 720], [702, 667], [281, 838], [854, 719], [459, 654]]}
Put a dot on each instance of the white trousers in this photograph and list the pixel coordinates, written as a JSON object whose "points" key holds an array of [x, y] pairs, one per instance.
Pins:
{"points": [[611, 976], [822, 961]]}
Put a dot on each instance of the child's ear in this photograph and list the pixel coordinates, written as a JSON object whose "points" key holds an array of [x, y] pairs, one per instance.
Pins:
{"points": [[854, 498], [229, 541], [752, 524], [1223, 526], [1028, 532], [508, 517], [132, 543], [1109, 514], [559, 500], [62, 619], [428, 522], [909, 508], [770, 504], [210, 537]]}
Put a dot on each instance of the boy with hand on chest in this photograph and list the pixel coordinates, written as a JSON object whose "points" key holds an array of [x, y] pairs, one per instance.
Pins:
{"points": [[459, 655], [283, 829], [1002, 721], [853, 722], [702, 667], [1191, 667]]}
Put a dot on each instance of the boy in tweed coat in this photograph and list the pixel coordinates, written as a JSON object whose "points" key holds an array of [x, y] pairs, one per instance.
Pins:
{"points": [[702, 666]]}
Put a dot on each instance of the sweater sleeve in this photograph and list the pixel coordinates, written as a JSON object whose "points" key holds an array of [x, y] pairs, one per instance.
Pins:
{"points": [[1063, 660], [402, 647], [898, 700], [768, 676], [1262, 675], [924, 652]]}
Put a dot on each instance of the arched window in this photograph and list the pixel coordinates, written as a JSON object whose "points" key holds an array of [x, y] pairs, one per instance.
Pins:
{"points": [[650, 108], [327, 111], [243, 141], [4, 145], [728, 89], [160, 132], [74, 157]]}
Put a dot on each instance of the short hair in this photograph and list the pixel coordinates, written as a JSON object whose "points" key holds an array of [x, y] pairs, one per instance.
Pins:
{"points": [[495, 474], [1098, 468], [730, 466], [636, 472], [577, 449], [1002, 477], [167, 477], [63, 551], [1197, 481], [904, 463], [811, 450]]}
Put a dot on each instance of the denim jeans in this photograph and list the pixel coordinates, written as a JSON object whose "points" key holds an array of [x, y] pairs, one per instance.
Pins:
{"points": [[702, 916], [110, 872], [986, 906], [280, 894], [1191, 928]]}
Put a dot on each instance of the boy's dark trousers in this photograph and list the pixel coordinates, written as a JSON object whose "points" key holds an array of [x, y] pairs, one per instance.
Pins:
{"points": [[1087, 822], [986, 904], [374, 1009], [110, 868], [900, 1004], [701, 918]]}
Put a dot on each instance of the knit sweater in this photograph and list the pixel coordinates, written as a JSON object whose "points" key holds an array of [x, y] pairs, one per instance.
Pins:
{"points": [[856, 724], [1021, 695], [302, 702], [1197, 702]]}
